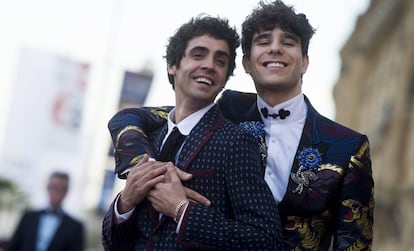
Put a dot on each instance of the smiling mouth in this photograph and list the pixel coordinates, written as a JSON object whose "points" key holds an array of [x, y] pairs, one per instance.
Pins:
{"points": [[203, 80], [274, 64]]}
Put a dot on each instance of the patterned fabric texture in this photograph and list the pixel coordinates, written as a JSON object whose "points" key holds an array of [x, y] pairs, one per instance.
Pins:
{"points": [[225, 164], [130, 142]]}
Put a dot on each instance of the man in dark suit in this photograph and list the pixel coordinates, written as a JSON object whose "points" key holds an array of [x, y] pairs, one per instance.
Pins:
{"points": [[51, 229], [319, 171], [153, 212]]}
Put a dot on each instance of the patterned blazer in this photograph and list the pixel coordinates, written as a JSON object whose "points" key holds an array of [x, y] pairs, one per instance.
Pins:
{"points": [[226, 168], [69, 235], [330, 194]]}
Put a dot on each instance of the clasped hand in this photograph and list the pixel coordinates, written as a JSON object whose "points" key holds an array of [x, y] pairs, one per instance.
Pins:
{"points": [[160, 183]]}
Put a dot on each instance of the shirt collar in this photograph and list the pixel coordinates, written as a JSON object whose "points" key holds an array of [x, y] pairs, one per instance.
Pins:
{"points": [[187, 124], [49, 210], [295, 105]]}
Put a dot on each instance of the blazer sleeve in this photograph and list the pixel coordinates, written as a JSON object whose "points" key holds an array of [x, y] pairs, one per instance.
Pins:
{"points": [[356, 202], [255, 224], [129, 129], [118, 237]]}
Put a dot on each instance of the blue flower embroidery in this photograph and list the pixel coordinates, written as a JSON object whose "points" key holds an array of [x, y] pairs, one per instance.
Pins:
{"points": [[309, 161], [310, 158], [255, 128]]}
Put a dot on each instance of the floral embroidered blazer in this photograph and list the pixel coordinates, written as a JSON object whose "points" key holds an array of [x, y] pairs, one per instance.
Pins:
{"points": [[330, 194]]}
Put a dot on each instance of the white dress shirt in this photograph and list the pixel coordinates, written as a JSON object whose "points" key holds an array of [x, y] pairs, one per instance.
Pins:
{"points": [[282, 141], [48, 224]]}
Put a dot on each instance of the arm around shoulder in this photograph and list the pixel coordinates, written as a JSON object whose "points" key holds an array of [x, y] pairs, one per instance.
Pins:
{"points": [[129, 129]]}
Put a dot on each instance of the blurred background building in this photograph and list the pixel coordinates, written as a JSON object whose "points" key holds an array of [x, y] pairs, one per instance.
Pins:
{"points": [[375, 95], [59, 87]]}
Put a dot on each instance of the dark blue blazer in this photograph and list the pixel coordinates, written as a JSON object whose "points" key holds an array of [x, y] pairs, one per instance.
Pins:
{"points": [[69, 235], [226, 168]]}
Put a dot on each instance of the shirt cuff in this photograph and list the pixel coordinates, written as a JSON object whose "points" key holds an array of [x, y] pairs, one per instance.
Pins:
{"points": [[126, 171], [120, 218]]}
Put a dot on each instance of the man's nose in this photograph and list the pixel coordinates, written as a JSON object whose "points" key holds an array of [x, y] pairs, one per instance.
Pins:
{"points": [[276, 48], [208, 63]]}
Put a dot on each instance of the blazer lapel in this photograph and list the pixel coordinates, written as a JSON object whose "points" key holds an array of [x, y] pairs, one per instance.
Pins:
{"points": [[308, 157], [234, 105], [195, 141], [157, 139], [253, 115], [199, 137], [159, 136], [34, 227]]}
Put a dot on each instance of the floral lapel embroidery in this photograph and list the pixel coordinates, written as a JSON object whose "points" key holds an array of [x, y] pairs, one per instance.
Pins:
{"points": [[309, 161], [256, 129]]}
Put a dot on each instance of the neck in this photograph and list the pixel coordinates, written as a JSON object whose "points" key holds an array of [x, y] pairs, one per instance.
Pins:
{"points": [[182, 110], [275, 97]]}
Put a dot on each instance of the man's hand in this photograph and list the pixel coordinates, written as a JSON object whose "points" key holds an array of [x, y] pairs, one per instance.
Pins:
{"points": [[144, 176], [141, 179], [191, 194], [166, 195]]}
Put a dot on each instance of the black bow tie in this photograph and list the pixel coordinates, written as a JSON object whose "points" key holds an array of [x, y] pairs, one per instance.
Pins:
{"points": [[282, 113]]}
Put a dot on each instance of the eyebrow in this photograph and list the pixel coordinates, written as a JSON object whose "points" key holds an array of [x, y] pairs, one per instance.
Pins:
{"points": [[285, 34], [262, 35], [205, 49], [223, 53], [290, 35], [198, 48]]}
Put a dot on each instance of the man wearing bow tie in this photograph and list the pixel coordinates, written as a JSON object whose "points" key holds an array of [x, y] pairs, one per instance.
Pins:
{"points": [[50, 229], [319, 171]]}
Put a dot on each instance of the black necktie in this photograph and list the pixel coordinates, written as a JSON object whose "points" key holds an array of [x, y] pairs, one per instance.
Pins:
{"points": [[171, 146], [282, 113]]}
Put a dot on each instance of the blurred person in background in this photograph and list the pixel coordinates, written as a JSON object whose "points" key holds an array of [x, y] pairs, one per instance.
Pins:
{"points": [[49, 229]]}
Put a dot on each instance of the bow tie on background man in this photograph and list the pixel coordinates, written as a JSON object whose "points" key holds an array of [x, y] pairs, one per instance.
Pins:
{"points": [[282, 113]]}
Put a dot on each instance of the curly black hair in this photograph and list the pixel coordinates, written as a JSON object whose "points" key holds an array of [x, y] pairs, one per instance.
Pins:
{"points": [[216, 27], [268, 16]]}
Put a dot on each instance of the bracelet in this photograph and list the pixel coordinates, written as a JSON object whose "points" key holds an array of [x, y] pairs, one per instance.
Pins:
{"points": [[177, 210]]}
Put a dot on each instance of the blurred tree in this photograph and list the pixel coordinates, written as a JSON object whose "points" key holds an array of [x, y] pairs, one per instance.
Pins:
{"points": [[12, 202]]}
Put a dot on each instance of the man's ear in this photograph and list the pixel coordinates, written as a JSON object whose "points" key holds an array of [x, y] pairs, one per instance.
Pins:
{"points": [[171, 69], [246, 64], [305, 63]]}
